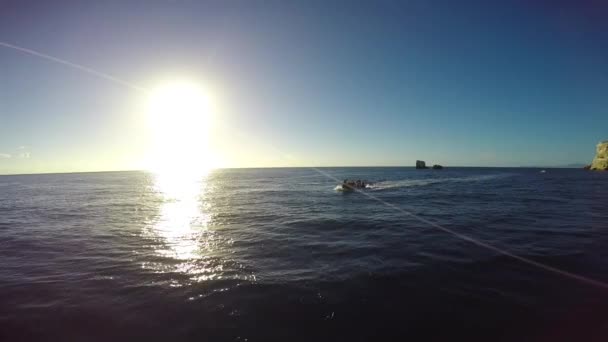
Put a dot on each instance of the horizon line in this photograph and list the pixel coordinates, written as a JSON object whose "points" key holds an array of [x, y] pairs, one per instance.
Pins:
{"points": [[296, 167]]}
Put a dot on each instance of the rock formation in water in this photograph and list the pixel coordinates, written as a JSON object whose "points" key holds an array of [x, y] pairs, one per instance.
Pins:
{"points": [[437, 167], [420, 164], [600, 162]]}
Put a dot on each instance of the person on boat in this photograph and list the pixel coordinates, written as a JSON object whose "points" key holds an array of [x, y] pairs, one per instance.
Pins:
{"points": [[347, 183]]}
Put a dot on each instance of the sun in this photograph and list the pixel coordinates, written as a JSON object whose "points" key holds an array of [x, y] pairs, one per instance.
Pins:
{"points": [[179, 119]]}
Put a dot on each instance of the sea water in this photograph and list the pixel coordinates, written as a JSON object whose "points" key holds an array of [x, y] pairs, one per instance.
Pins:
{"points": [[279, 254]]}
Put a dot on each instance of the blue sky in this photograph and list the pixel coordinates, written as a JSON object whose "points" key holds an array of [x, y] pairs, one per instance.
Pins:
{"points": [[327, 83]]}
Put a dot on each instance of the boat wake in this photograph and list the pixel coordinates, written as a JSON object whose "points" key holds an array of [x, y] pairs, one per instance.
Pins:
{"points": [[341, 187], [406, 183]]}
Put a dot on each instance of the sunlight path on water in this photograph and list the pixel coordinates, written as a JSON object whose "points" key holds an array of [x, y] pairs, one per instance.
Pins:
{"points": [[180, 232], [180, 220]]}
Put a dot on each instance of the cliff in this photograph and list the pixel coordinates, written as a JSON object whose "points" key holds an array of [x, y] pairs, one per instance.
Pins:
{"points": [[600, 162]]}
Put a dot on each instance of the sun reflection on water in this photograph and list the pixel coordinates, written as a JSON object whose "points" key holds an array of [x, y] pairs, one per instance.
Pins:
{"points": [[180, 231], [184, 243], [182, 221]]}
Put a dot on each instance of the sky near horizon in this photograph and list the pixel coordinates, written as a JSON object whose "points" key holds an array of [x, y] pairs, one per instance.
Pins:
{"points": [[306, 83]]}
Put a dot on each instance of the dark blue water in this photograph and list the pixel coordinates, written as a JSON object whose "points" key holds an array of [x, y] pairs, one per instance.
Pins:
{"points": [[279, 255]]}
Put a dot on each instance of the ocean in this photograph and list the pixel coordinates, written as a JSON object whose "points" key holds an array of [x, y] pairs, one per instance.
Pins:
{"points": [[280, 255]]}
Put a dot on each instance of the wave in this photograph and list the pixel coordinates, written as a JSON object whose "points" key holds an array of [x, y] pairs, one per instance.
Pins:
{"points": [[339, 188], [405, 183]]}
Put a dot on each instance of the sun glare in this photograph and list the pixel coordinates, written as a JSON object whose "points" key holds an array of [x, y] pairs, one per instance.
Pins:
{"points": [[179, 118]]}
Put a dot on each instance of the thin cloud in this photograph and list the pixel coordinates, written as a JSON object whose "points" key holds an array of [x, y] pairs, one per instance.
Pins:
{"points": [[5, 156]]}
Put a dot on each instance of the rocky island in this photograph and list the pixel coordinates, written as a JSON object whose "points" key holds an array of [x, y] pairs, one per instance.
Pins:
{"points": [[421, 164], [600, 162]]}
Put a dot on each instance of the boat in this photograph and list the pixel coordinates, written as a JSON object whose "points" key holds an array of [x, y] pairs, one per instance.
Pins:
{"points": [[352, 185]]}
